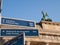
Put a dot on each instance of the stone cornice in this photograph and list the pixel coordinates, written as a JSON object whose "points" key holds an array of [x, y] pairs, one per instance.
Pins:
{"points": [[51, 23]]}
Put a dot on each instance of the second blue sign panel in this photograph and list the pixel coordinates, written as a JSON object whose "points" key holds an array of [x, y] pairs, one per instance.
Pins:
{"points": [[15, 32]]}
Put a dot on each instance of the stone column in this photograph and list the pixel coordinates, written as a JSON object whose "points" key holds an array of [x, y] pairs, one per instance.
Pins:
{"points": [[47, 43], [1, 41], [28, 43]]}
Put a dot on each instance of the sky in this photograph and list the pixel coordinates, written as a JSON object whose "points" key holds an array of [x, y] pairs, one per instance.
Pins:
{"points": [[31, 9]]}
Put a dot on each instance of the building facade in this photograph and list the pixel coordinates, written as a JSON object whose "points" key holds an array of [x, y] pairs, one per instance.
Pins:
{"points": [[49, 33]]}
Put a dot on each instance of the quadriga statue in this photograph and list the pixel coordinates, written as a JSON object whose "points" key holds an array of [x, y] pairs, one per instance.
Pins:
{"points": [[45, 17]]}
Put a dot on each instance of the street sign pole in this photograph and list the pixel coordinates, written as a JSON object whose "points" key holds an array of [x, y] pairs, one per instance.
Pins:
{"points": [[24, 37]]}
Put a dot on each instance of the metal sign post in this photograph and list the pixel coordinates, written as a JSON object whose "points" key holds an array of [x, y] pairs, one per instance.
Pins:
{"points": [[0, 6]]}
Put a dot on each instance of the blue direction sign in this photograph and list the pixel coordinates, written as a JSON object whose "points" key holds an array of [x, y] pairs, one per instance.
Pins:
{"points": [[17, 22], [15, 32], [18, 40]]}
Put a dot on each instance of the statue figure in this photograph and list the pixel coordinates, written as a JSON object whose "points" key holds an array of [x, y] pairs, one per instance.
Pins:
{"points": [[45, 17]]}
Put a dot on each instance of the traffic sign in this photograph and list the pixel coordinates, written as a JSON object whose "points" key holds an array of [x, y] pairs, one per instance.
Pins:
{"points": [[18, 40], [15, 32], [10, 21]]}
